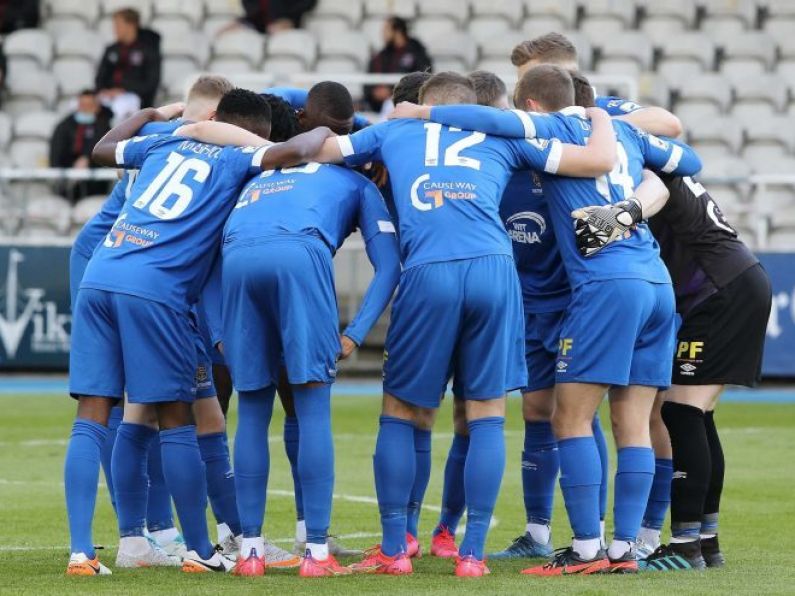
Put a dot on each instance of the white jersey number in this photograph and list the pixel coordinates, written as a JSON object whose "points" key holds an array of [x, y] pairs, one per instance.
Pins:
{"points": [[452, 155], [619, 176], [170, 183]]}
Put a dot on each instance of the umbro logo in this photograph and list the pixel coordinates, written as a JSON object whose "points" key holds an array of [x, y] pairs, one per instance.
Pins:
{"points": [[562, 366], [687, 368], [679, 476]]}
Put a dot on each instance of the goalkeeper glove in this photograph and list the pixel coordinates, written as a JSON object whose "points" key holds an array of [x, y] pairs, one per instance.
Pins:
{"points": [[597, 226]]}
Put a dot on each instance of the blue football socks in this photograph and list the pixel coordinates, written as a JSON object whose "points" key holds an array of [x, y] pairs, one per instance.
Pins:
{"points": [[185, 477], [315, 458], [291, 438], [394, 471], [81, 473], [252, 457], [540, 465], [129, 464], [107, 450], [220, 480], [634, 476], [159, 515], [580, 479], [422, 474], [601, 446], [483, 472], [660, 495], [453, 495]]}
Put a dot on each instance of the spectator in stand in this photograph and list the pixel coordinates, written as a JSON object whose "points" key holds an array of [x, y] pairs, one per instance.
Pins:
{"points": [[271, 16], [129, 72], [401, 53], [73, 140]]}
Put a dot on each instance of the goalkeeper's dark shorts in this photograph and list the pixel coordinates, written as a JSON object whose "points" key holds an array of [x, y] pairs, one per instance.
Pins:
{"points": [[722, 339]]}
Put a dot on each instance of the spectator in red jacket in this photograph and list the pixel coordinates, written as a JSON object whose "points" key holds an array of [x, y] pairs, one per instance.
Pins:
{"points": [[401, 53], [129, 72]]}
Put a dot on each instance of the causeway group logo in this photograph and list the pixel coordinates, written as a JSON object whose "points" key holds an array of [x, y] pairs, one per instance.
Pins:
{"points": [[34, 329], [526, 227], [427, 195]]}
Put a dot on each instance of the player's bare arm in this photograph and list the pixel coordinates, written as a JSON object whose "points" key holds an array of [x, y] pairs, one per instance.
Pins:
{"points": [[655, 120], [104, 152], [220, 133], [300, 149]]}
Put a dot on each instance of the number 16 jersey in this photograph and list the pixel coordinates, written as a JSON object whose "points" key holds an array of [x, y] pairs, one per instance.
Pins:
{"points": [[164, 241]]}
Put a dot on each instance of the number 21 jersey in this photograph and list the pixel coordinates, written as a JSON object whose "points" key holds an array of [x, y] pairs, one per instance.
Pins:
{"points": [[163, 243]]}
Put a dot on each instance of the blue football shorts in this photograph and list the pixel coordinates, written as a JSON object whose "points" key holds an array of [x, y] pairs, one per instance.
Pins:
{"points": [[123, 342], [618, 332], [280, 309], [542, 332], [461, 318]]}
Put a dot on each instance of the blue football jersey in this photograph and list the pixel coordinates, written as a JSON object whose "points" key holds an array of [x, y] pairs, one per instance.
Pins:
{"points": [[525, 214], [447, 184], [165, 238], [616, 106], [636, 257], [320, 200], [98, 226]]}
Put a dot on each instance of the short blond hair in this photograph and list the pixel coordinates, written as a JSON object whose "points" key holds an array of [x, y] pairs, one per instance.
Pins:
{"points": [[209, 87], [551, 48]]}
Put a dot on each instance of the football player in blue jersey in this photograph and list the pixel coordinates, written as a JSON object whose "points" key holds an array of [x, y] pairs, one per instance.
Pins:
{"points": [[201, 102], [445, 315], [132, 315], [323, 105], [279, 310], [631, 363]]}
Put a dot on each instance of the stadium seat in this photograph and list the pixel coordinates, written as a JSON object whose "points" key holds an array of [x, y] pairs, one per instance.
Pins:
{"points": [[743, 11], [500, 48], [230, 9], [482, 29], [722, 28], [350, 10], [599, 30], [47, 212], [242, 44], [171, 26], [5, 130], [29, 153], [28, 47], [213, 26], [776, 198], [683, 11], [337, 65], [66, 25], [631, 45], [772, 165], [624, 11], [86, 208], [725, 131], [144, 7], [564, 11], [283, 65], [708, 87], [659, 30], [729, 200], [85, 10], [73, 75], [191, 12], [727, 166], [759, 152], [766, 87], [679, 72], [230, 65], [373, 31], [175, 70], [34, 86], [427, 30], [690, 46], [352, 46], [454, 10], [84, 44], [781, 239], [499, 66], [756, 46], [322, 27], [193, 46], [538, 25], [511, 11], [453, 48], [406, 9], [293, 44], [780, 130], [623, 67]]}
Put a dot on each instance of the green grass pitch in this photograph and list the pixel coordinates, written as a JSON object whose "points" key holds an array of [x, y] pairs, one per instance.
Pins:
{"points": [[756, 520]]}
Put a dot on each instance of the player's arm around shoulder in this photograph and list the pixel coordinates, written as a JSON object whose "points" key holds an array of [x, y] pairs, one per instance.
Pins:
{"points": [[598, 156], [105, 151], [654, 120]]}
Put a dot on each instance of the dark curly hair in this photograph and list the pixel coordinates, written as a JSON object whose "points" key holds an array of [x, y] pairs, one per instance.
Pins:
{"points": [[245, 109], [284, 120]]}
